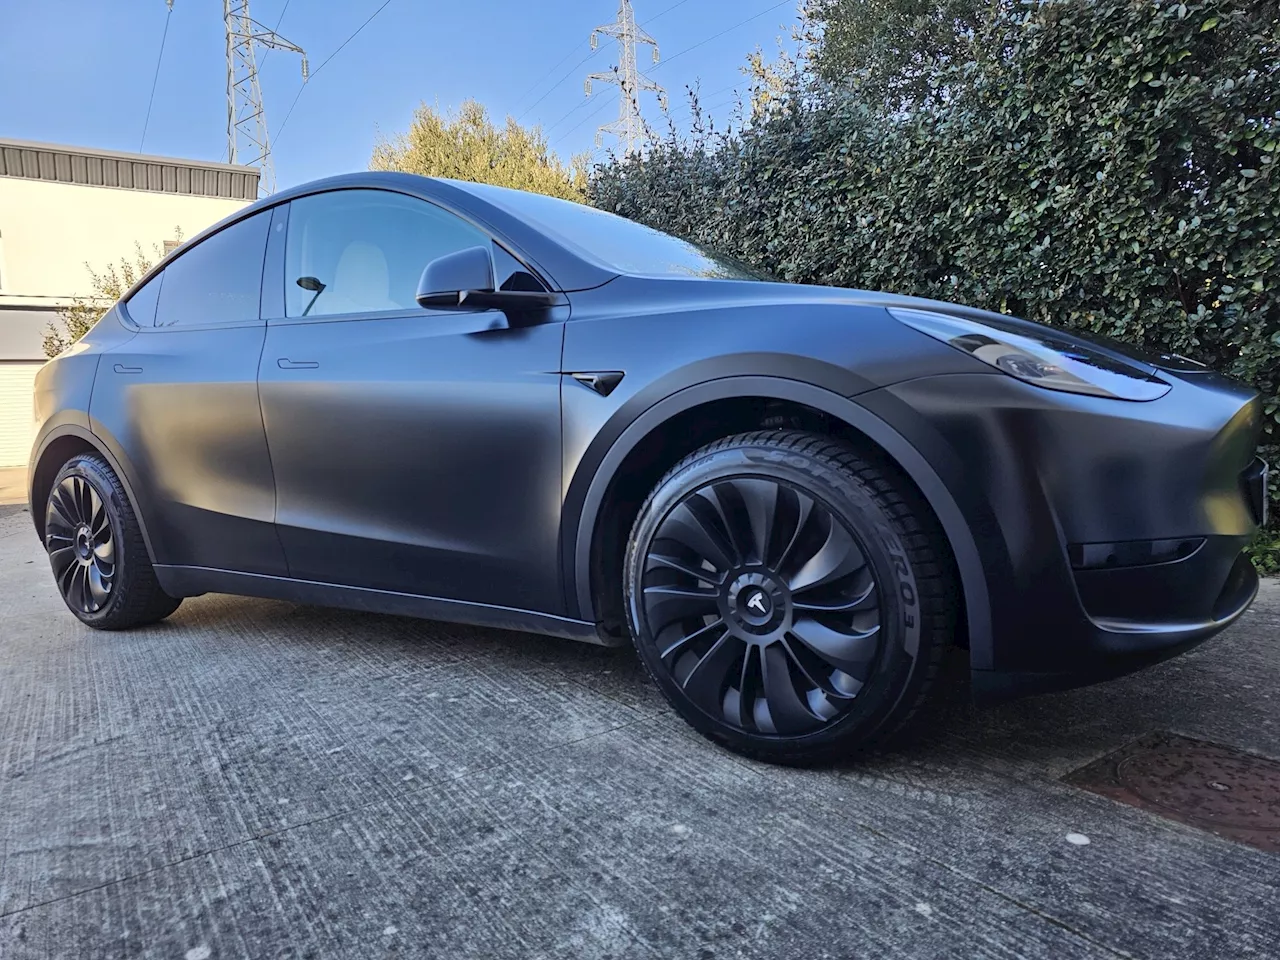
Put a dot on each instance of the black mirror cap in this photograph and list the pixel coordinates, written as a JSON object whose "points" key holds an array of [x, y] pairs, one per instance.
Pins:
{"points": [[464, 281], [447, 280]]}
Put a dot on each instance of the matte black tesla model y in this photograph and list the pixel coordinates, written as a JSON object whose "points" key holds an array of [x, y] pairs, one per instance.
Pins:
{"points": [[467, 403]]}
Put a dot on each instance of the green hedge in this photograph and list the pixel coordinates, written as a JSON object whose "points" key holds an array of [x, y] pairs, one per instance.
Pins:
{"points": [[1104, 164]]}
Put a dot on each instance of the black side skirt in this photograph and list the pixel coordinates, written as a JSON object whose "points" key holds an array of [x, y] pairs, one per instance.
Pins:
{"points": [[181, 581]]}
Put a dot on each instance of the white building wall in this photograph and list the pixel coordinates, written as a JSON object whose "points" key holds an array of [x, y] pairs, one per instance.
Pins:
{"points": [[49, 231]]}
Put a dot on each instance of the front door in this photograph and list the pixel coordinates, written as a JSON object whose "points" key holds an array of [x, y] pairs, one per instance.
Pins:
{"points": [[415, 451], [178, 404]]}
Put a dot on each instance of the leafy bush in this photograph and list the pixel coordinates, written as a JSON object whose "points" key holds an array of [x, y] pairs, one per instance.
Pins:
{"points": [[1265, 551], [1099, 164], [107, 286]]}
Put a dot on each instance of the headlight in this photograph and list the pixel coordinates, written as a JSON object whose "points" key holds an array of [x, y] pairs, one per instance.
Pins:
{"points": [[1036, 356]]}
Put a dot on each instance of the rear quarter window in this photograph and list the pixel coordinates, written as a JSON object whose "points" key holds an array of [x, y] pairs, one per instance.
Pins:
{"points": [[217, 281], [141, 307]]}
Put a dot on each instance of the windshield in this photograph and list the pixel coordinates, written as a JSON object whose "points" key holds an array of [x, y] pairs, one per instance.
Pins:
{"points": [[615, 242]]}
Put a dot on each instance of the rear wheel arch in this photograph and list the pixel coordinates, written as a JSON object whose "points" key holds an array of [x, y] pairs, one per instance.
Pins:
{"points": [[729, 406], [55, 451]]}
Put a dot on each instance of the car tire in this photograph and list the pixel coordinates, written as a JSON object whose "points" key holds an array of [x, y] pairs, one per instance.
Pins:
{"points": [[791, 596], [95, 546]]}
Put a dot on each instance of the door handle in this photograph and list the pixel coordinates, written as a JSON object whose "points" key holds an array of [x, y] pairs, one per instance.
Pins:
{"points": [[284, 363], [121, 368]]}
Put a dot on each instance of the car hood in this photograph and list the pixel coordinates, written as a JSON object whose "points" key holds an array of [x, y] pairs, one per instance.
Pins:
{"points": [[1143, 357]]}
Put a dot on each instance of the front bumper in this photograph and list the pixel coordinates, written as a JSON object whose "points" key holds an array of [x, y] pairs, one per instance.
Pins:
{"points": [[1108, 647], [1110, 533]]}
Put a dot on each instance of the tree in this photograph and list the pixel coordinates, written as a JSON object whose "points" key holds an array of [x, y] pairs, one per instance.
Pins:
{"points": [[467, 146], [108, 286], [894, 49]]}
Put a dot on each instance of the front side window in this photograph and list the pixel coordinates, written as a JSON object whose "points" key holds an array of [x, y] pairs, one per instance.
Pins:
{"points": [[363, 251], [219, 280]]}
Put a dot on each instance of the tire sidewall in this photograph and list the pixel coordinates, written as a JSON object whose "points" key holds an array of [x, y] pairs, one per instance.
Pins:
{"points": [[92, 472], [899, 653]]}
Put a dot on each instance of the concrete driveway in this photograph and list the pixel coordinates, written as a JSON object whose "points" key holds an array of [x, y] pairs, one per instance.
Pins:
{"points": [[254, 779]]}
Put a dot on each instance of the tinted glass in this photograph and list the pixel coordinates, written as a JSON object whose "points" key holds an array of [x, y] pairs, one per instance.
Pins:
{"points": [[219, 280], [362, 251], [141, 307], [615, 242]]}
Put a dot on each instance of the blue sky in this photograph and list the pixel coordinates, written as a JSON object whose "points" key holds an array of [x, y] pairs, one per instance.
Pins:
{"points": [[80, 71]]}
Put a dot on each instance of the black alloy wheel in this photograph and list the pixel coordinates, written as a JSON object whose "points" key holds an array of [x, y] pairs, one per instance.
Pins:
{"points": [[81, 545], [790, 598], [762, 605], [96, 549]]}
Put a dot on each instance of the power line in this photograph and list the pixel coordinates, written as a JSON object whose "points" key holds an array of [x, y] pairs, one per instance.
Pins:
{"points": [[702, 97], [629, 128], [707, 110], [578, 106], [246, 117], [572, 110], [741, 23], [559, 63], [151, 99], [680, 3], [353, 36], [280, 19], [324, 64], [289, 113], [589, 116], [574, 69], [275, 29]]}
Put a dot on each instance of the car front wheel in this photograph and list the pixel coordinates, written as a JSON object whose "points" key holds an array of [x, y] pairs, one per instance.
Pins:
{"points": [[95, 547], [791, 597]]}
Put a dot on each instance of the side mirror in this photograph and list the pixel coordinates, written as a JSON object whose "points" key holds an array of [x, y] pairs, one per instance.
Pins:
{"points": [[464, 281], [313, 286]]}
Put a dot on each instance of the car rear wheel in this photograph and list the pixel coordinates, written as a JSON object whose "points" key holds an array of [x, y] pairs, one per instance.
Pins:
{"points": [[95, 548], [791, 597]]}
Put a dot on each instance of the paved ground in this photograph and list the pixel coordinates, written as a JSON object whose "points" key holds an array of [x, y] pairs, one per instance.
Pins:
{"points": [[254, 779]]}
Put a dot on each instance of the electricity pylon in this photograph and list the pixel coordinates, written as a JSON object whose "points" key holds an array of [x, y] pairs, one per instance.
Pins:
{"points": [[629, 128], [248, 141]]}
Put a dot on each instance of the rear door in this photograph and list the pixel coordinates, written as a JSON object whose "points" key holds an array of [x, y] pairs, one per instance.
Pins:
{"points": [[414, 450], [178, 403]]}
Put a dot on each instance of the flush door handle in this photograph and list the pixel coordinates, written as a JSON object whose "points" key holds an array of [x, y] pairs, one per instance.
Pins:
{"points": [[284, 363]]}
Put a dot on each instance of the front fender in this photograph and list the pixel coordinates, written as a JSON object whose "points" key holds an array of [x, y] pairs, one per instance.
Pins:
{"points": [[597, 468]]}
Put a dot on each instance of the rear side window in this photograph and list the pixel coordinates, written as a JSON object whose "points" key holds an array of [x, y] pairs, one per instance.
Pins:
{"points": [[363, 251], [219, 280], [141, 307]]}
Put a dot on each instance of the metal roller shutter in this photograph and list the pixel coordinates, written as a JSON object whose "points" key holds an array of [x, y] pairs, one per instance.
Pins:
{"points": [[16, 383]]}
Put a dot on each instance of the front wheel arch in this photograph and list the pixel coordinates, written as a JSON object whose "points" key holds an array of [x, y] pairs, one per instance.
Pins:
{"points": [[861, 422]]}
